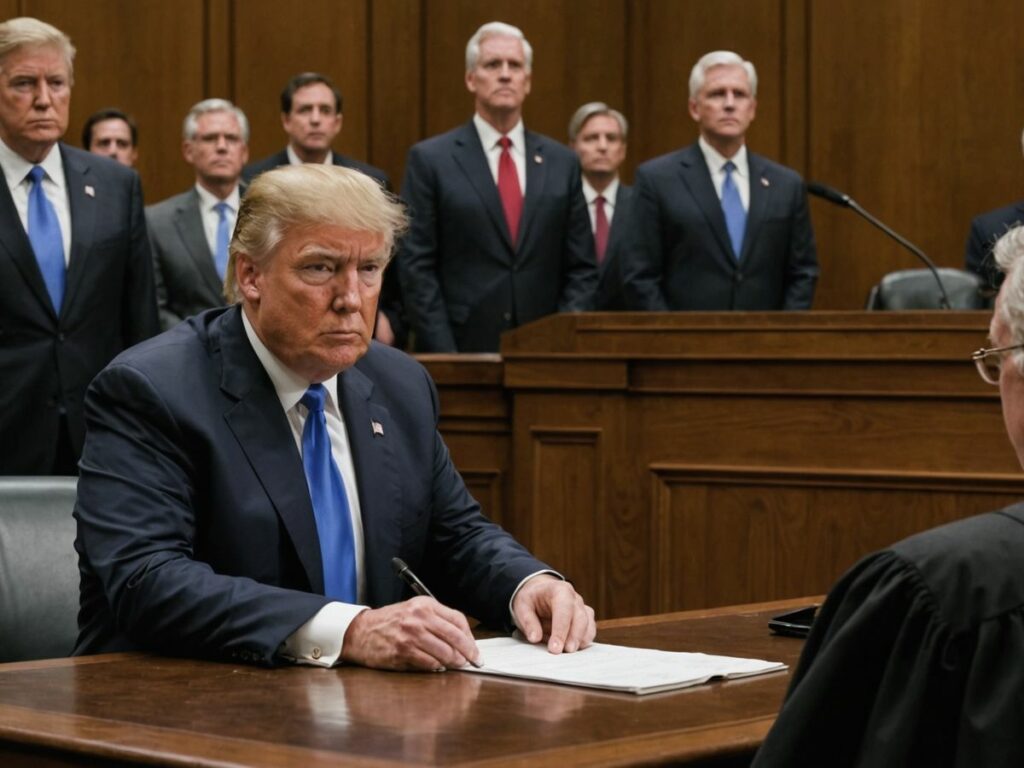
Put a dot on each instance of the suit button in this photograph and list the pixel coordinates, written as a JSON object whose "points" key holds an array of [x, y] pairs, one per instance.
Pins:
{"points": [[316, 653], [738, 277], [60, 337], [507, 316]]}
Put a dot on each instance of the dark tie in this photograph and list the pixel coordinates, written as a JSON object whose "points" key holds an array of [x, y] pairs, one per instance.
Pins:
{"points": [[600, 228], [732, 207], [45, 237], [330, 504], [223, 238], [509, 189]]}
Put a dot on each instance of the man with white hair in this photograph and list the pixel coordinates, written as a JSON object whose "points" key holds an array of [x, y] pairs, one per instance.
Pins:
{"points": [[249, 475], [717, 227], [191, 231], [76, 276], [500, 234], [985, 230]]}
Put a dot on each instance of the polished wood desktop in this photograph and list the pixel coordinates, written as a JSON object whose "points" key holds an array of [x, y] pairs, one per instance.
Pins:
{"points": [[143, 709]]}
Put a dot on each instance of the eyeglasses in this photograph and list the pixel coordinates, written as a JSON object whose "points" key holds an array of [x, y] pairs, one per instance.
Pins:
{"points": [[990, 362]]}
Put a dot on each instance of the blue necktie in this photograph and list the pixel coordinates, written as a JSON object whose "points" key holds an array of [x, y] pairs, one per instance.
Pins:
{"points": [[45, 237], [732, 207], [330, 504], [220, 258]]}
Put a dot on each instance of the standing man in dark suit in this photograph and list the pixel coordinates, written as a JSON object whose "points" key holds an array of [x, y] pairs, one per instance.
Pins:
{"points": [[311, 115], [190, 232], [76, 279], [500, 234], [715, 226], [597, 133], [249, 474], [985, 230]]}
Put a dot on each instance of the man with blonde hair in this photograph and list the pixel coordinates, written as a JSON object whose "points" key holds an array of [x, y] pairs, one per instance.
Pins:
{"points": [[250, 474], [717, 227], [76, 279]]}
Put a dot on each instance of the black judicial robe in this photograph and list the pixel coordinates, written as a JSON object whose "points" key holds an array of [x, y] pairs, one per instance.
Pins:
{"points": [[916, 657]]}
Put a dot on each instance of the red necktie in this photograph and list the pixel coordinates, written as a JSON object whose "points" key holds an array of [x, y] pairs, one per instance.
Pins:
{"points": [[508, 188], [600, 229]]}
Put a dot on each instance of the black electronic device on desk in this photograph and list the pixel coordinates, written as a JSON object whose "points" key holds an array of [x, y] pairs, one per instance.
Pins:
{"points": [[795, 623]]}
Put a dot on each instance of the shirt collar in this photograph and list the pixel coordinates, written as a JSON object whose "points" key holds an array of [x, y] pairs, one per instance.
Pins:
{"points": [[207, 200], [16, 167], [489, 135], [716, 160], [289, 386], [610, 193], [293, 159]]}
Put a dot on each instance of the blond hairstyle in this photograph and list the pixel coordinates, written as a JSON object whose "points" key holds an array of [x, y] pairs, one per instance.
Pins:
{"points": [[309, 195], [1008, 252], [26, 31]]}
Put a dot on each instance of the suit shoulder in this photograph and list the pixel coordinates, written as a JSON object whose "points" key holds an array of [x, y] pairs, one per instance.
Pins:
{"points": [[370, 170], [384, 362], [253, 170], [777, 169], [999, 219], [551, 147], [438, 143], [101, 167], [169, 205], [661, 164]]}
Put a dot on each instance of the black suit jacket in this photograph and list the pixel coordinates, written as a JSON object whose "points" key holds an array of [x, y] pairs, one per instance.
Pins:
{"points": [[391, 303], [610, 295], [681, 256], [196, 534], [47, 359], [463, 280], [186, 276], [985, 230]]}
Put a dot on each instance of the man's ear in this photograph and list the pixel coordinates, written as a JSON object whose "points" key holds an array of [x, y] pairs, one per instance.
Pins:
{"points": [[247, 275]]}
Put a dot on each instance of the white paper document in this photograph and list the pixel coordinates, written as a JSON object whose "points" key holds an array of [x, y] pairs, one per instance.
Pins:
{"points": [[613, 667]]}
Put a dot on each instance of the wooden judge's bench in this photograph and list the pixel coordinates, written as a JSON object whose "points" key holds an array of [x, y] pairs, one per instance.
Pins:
{"points": [[675, 461]]}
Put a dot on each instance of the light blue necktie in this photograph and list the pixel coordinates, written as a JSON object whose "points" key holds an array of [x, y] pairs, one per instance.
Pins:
{"points": [[732, 207], [220, 258], [330, 504], [45, 237]]}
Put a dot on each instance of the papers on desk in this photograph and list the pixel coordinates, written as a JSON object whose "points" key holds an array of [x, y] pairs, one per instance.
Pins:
{"points": [[613, 667]]}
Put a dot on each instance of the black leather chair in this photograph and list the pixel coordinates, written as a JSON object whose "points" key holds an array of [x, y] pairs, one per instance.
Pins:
{"points": [[915, 657], [38, 568], [916, 289]]}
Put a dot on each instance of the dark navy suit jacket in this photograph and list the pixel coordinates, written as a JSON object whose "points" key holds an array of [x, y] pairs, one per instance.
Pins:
{"points": [[681, 256], [463, 279], [195, 530], [47, 359], [610, 294], [985, 230]]}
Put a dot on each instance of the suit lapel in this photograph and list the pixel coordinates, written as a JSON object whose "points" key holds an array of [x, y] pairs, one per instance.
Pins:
{"points": [[376, 473], [536, 174], [760, 188], [84, 195], [620, 224], [469, 155], [16, 244], [188, 222], [262, 431], [697, 178]]}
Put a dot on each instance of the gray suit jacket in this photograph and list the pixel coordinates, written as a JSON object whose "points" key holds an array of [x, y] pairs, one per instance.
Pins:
{"points": [[681, 256], [186, 277]]}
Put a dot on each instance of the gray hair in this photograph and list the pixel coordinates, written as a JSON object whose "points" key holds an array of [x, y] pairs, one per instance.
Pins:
{"points": [[191, 125], [698, 75], [593, 109], [26, 31], [1008, 253], [308, 195], [496, 29]]}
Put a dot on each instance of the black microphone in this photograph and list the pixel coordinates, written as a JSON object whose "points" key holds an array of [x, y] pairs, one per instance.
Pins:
{"points": [[845, 201]]}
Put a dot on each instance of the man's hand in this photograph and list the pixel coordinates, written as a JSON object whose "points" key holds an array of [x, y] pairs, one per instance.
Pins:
{"points": [[417, 634], [546, 606]]}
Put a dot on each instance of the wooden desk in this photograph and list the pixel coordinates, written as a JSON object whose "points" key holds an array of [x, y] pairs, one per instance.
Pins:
{"points": [[145, 709]]}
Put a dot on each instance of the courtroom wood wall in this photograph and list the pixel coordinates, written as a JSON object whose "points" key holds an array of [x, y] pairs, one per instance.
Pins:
{"points": [[914, 108]]}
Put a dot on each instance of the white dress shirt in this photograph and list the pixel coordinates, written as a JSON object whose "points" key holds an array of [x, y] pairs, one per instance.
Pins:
{"points": [[489, 136], [716, 166], [610, 195], [16, 170], [211, 218]]}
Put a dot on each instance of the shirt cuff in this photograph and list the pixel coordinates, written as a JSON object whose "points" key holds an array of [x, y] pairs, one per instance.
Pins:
{"points": [[512, 599], [318, 642]]}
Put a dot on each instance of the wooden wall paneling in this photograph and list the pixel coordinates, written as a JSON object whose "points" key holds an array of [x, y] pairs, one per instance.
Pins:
{"points": [[579, 55], [795, 84], [667, 38], [903, 119], [328, 36], [728, 535], [144, 58], [396, 83], [220, 46], [10, 9]]}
